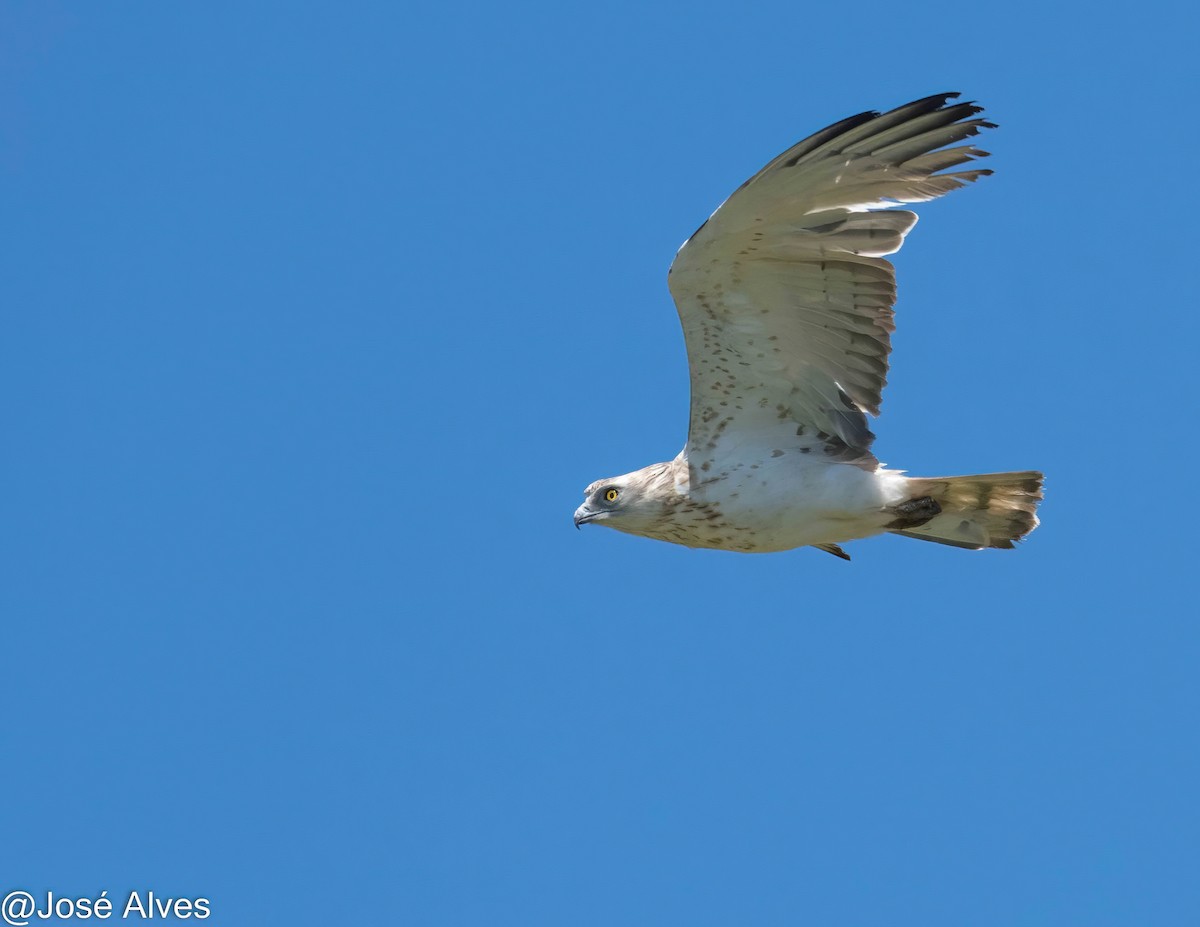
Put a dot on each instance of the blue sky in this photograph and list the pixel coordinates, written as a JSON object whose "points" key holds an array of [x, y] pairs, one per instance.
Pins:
{"points": [[320, 318]]}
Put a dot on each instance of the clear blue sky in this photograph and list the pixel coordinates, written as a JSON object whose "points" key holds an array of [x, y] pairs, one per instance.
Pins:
{"points": [[319, 317]]}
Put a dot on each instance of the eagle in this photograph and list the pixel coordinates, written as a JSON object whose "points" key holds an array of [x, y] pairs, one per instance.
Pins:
{"points": [[786, 299]]}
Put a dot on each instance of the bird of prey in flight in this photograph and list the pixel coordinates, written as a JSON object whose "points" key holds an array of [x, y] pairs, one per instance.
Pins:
{"points": [[786, 303]]}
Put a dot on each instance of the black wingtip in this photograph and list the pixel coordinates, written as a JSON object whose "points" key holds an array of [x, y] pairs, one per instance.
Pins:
{"points": [[934, 100]]}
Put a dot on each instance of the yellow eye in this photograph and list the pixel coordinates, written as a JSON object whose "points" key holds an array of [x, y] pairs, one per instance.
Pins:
{"points": [[611, 495]]}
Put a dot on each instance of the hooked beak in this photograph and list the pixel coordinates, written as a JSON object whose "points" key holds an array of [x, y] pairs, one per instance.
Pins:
{"points": [[583, 515]]}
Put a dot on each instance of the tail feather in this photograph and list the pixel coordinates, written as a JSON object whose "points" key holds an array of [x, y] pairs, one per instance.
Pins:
{"points": [[982, 510]]}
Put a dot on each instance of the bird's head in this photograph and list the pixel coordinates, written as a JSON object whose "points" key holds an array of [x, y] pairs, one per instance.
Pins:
{"points": [[635, 502]]}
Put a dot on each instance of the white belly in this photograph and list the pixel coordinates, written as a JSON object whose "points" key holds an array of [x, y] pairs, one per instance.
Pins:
{"points": [[788, 501]]}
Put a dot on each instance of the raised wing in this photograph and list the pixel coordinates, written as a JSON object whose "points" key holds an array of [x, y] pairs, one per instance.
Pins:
{"points": [[785, 298]]}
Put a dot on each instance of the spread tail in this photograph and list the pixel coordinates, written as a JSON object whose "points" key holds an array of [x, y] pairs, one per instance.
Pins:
{"points": [[984, 510]]}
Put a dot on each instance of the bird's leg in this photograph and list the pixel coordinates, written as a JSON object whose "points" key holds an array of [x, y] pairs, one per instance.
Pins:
{"points": [[914, 513]]}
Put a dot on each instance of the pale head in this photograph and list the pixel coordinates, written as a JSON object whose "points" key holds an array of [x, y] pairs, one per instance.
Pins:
{"points": [[637, 502]]}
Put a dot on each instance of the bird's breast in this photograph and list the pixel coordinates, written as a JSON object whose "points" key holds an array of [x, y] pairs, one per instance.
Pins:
{"points": [[770, 502]]}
